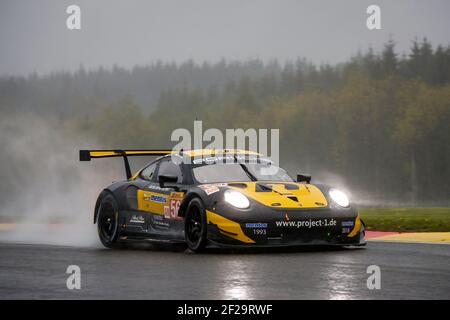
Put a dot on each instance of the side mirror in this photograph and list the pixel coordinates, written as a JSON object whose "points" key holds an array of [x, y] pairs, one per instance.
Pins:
{"points": [[303, 178], [163, 179]]}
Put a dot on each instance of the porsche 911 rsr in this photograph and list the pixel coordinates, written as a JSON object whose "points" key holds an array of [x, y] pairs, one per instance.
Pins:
{"points": [[214, 198]]}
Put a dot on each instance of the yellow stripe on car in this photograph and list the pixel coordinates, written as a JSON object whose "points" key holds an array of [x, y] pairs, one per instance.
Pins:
{"points": [[356, 228], [209, 152], [227, 227]]}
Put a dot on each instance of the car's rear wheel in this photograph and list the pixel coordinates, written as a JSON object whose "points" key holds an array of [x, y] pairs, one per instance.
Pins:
{"points": [[195, 226], [108, 221]]}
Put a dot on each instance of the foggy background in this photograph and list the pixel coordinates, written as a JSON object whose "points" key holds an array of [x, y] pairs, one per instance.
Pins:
{"points": [[366, 111], [34, 37]]}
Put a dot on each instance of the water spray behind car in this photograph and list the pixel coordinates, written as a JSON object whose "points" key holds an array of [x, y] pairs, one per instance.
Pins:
{"points": [[45, 197]]}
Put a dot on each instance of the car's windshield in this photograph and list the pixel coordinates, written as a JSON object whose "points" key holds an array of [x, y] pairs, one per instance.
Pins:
{"points": [[238, 172]]}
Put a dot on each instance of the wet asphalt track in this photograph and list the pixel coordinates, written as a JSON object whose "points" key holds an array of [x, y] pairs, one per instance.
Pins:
{"points": [[408, 271]]}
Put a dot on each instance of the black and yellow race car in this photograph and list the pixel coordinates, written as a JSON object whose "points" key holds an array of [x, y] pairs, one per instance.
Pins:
{"points": [[210, 198]]}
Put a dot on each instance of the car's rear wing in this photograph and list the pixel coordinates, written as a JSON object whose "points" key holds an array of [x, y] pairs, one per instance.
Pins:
{"points": [[87, 155]]}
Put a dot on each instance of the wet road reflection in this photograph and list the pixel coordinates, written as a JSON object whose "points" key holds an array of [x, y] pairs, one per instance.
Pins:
{"points": [[408, 271], [293, 274]]}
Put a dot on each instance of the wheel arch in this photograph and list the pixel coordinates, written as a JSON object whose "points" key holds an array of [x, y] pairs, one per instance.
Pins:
{"points": [[102, 194], [185, 203]]}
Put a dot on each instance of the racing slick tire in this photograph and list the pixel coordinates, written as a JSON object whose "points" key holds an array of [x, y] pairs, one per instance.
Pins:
{"points": [[108, 221], [195, 228]]}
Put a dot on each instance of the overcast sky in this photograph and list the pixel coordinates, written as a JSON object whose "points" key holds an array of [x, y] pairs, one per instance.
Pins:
{"points": [[34, 36]]}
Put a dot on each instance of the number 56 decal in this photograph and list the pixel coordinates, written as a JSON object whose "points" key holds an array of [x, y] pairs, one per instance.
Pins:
{"points": [[174, 204], [174, 207]]}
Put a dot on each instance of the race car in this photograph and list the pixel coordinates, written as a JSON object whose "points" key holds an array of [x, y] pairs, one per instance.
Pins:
{"points": [[220, 198]]}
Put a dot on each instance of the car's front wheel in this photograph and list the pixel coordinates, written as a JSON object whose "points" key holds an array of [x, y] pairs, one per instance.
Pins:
{"points": [[108, 221], [195, 226]]}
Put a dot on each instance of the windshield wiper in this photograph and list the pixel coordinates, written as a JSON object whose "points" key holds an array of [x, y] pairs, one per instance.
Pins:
{"points": [[244, 167]]}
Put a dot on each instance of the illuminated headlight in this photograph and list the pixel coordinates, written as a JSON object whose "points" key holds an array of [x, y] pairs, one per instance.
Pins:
{"points": [[339, 197], [236, 199]]}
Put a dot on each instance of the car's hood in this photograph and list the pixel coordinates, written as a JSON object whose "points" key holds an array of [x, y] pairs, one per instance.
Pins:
{"points": [[282, 194]]}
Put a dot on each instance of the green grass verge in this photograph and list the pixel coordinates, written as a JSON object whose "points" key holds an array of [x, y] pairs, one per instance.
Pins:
{"points": [[406, 219]]}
